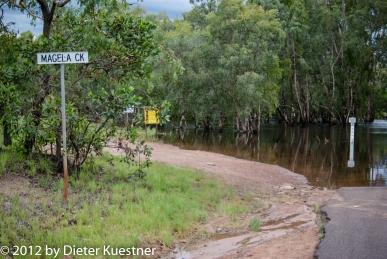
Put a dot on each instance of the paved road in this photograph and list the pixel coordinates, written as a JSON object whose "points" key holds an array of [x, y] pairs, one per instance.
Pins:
{"points": [[358, 225]]}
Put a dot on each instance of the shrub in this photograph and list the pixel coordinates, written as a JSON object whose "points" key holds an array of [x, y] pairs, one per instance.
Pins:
{"points": [[11, 162], [15, 162]]}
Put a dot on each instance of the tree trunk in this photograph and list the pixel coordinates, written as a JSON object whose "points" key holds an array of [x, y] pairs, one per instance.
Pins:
{"points": [[370, 110], [7, 139], [48, 16], [221, 123], [207, 124], [283, 115], [295, 83], [259, 119], [36, 113], [246, 125], [183, 122]]}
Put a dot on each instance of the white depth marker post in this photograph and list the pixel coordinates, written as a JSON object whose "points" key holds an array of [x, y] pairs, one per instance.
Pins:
{"points": [[63, 58], [351, 161]]}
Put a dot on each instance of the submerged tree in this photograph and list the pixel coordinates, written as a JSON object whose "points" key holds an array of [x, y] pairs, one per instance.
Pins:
{"points": [[323, 61], [221, 49]]}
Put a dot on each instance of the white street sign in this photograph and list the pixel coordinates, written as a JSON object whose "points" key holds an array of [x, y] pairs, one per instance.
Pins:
{"points": [[62, 58], [52, 58], [130, 110]]}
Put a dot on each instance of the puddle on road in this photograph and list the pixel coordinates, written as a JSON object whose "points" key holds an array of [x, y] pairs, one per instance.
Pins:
{"points": [[278, 223]]}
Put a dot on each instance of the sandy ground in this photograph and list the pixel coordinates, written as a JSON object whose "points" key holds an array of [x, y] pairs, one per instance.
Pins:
{"points": [[290, 218], [243, 174]]}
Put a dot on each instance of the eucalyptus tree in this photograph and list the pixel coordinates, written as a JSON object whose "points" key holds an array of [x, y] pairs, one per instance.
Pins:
{"points": [[330, 58], [163, 68], [44, 10], [122, 43], [183, 46], [229, 52], [252, 38]]}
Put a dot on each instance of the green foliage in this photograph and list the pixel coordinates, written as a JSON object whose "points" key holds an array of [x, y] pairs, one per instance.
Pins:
{"points": [[17, 163], [11, 162], [233, 208], [120, 43], [138, 154], [223, 47], [226, 62], [331, 65], [310, 61]]}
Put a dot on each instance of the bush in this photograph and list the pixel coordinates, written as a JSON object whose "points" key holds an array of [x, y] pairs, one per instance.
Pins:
{"points": [[14, 162], [11, 162]]}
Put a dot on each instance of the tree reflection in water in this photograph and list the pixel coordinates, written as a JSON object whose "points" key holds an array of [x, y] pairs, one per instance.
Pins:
{"points": [[318, 152]]}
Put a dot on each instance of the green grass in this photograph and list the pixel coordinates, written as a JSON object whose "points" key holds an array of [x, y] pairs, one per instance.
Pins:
{"points": [[255, 224], [149, 134], [233, 208], [105, 207], [4, 158], [140, 133], [1, 137]]}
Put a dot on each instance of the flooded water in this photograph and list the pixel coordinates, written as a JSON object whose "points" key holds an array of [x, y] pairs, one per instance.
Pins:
{"points": [[320, 153]]}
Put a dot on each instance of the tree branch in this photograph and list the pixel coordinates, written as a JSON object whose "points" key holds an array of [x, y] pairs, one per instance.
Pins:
{"points": [[62, 3], [44, 7], [30, 12]]}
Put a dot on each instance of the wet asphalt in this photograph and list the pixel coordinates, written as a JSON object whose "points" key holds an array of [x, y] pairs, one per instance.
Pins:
{"points": [[357, 225]]}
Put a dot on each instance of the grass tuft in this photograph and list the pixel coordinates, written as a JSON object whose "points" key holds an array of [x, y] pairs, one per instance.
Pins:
{"points": [[255, 224]]}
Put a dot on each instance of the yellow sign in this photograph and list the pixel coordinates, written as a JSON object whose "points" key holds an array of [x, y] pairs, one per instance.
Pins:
{"points": [[151, 116]]}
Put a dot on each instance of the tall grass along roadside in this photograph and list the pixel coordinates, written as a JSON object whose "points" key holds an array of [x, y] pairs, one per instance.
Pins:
{"points": [[107, 207]]}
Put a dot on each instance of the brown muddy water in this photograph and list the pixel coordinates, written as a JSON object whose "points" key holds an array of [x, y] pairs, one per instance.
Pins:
{"points": [[320, 153]]}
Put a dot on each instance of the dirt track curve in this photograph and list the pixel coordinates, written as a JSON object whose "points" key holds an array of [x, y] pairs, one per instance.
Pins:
{"points": [[290, 224]]}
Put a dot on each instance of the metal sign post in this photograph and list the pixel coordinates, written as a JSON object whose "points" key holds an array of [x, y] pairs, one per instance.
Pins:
{"points": [[129, 110], [63, 58], [64, 131], [351, 161]]}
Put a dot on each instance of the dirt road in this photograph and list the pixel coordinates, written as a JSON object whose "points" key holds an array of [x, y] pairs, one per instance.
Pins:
{"points": [[243, 174], [290, 219]]}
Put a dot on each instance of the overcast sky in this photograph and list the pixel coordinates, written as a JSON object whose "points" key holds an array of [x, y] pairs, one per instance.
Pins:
{"points": [[173, 8]]}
